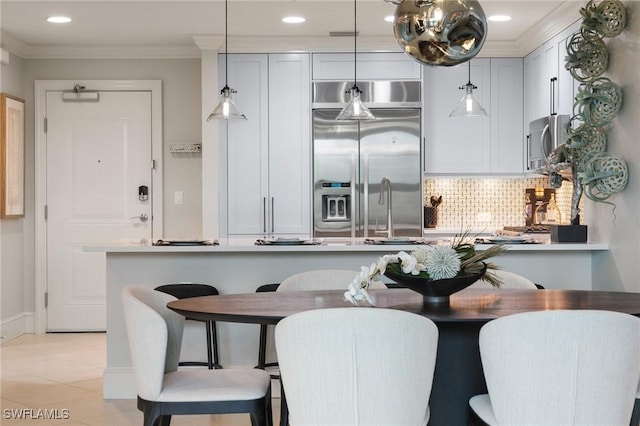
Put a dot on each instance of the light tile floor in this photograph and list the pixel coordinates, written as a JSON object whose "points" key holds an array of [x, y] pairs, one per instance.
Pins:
{"points": [[60, 375]]}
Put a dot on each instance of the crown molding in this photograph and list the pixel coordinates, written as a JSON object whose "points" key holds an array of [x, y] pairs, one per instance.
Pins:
{"points": [[562, 17]]}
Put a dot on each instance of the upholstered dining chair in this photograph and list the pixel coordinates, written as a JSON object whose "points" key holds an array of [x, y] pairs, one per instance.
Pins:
{"points": [[358, 366], [319, 279], [509, 280], [194, 329], [559, 368], [155, 336]]}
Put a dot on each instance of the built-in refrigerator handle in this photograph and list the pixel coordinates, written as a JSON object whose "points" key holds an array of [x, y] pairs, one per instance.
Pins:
{"points": [[353, 196], [365, 196]]}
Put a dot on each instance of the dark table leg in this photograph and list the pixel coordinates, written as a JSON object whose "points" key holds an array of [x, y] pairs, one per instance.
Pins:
{"points": [[458, 375]]}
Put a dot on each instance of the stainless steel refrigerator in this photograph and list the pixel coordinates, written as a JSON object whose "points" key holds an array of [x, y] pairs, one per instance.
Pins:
{"points": [[367, 175]]}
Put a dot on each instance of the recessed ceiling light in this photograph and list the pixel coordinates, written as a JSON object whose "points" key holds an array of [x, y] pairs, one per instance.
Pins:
{"points": [[293, 19], [58, 19], [499, 18], [389, 18]]}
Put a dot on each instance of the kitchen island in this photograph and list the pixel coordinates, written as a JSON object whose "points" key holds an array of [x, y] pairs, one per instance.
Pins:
{"points": [[239, 266]]}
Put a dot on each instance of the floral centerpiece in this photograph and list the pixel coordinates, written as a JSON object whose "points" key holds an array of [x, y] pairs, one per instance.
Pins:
{"points": [[428, 269]]}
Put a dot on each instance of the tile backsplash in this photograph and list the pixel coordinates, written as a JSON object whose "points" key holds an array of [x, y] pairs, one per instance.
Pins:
{"points": [[490, 203]]}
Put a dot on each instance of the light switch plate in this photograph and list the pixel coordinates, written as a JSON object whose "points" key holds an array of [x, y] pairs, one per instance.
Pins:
{"points": [[178, 197]]}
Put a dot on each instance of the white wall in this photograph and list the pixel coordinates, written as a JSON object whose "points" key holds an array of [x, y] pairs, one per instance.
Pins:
{"points": [[181, 83], [16, 236], [181, 115], [619, 269]]}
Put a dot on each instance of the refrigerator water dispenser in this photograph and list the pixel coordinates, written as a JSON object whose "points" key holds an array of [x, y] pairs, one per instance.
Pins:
{"points": [[336, 208]]}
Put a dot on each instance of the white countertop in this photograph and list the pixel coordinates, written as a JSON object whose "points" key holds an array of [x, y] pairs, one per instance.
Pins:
{"points": [[239, 245]]}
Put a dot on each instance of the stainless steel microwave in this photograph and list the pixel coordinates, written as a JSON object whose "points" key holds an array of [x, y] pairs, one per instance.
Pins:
{"points": [[545, 135]]}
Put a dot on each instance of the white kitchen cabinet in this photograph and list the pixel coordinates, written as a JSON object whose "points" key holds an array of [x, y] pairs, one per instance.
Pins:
{"points": [[268, 155], [549, 87], [370, 66], [456, 145], [567, 85], [474, 145], [507, 147]]}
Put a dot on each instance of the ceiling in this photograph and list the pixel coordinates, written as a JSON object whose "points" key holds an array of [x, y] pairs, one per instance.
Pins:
{"points": [[179, 28]]}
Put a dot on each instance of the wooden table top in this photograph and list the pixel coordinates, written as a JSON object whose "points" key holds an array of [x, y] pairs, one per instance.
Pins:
{"points": [[469, 305]]}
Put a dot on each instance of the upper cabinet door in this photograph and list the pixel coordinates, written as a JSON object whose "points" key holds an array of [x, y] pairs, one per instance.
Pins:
{"points": [[247, 145], [370, 66], [289, 144], [549, 87], [507, 143], [456, 145], [567, 85]]}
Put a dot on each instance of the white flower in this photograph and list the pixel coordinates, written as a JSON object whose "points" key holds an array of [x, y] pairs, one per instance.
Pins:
{"points": [[421, 255], [384, 261], [356, 294], [442, 262], [409, 263]]}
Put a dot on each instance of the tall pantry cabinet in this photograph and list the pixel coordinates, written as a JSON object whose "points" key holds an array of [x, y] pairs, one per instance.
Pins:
{"points": [[268, 155]]}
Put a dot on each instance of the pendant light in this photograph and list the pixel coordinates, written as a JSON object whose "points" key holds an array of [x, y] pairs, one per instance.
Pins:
{"points": [[468, 105], [355, 109], [226, 109]]}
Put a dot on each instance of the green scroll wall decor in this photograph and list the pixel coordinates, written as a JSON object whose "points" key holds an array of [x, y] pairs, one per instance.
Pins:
{"points": [[594, 172]]}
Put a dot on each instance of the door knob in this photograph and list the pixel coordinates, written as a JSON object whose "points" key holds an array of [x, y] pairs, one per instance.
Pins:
{"points": [[143, 217]]}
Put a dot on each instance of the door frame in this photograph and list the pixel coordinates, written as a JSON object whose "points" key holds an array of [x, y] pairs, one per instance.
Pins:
{"points": [[41, 89]]}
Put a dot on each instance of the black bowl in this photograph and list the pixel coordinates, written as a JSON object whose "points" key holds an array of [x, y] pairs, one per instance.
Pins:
{"points": [[435, 291]]}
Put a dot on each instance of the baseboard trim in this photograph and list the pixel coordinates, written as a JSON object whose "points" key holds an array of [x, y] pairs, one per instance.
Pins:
{"points": [[16, 326], [118, 383]]}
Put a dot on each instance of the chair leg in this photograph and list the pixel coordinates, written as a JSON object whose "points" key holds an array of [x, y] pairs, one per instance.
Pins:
{"points": [[209, 339], [262, 348], [150, 412], [164, 421], [214, 343], [284, 410], [635, 415], [261, 413]]}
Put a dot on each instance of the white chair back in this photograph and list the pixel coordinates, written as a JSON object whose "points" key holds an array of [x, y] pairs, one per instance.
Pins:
{"points": [[509, 281], [562, 367], [155, 337], [323, 279], [357, 366]]}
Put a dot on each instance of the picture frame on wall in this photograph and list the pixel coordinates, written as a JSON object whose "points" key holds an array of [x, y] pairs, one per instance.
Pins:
{"points": [[11, 156]]}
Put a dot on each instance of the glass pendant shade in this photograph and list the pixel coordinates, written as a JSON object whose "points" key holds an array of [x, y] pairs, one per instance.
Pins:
{"points": [[355, 109], [468, 105], [226, 109]]}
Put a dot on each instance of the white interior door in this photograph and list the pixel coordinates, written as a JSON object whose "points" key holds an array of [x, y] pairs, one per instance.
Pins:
{"points": [[98, 155]]}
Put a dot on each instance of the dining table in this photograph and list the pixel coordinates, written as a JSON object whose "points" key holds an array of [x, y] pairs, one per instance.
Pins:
{"points": [[458, 372]]}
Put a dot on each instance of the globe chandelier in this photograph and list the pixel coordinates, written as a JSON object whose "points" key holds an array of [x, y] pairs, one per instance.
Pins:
{"points": [[440, 32]]}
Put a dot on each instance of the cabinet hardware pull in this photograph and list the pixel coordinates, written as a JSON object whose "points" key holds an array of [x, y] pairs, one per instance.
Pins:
{"points": [[273, 213], [528, 152], [264, 215], [552, 95]]}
